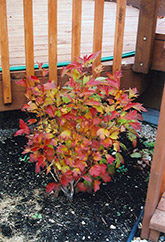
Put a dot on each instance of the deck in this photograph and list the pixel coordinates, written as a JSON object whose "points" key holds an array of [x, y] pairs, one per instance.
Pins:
{"points": [[40, 21]]}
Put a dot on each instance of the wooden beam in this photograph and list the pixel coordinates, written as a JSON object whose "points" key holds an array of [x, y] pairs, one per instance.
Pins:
{"points": [[52, 39], [156, 174], [129, 79], [28, 32], [7, 97], [119, 34], [158, 59], [146, 35], [98, 30], [76, 28]]}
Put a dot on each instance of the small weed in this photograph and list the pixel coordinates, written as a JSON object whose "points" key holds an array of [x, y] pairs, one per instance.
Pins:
{"points": [[122, 169], [25, 159]]}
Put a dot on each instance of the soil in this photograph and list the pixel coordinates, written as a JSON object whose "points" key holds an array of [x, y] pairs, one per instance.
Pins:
{"points": [[28, 213]]}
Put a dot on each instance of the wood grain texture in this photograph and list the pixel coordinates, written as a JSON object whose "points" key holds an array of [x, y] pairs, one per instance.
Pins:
{"points": [[28, 35], [158, 59], [7, 96], [158, 221], [76, 28], [119, 34], [156, 174], [52, 39], [154, 235], [146, 35], [98, 30]]}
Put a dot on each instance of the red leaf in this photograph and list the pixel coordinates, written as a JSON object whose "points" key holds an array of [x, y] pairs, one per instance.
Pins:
{"points": [[32, 121], [37, 169], [106, 177], [19, 132], [50, 111], [81, 186], [96, 185], [86, 177], [103, 168], [40, 160], [50, 85], [65, 180], [52, 186], [24, 128], [110, 159], [94, 171], [22, 83]]}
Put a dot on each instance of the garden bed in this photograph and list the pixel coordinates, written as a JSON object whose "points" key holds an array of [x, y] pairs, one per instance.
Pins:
{"points": [[28, 213]]}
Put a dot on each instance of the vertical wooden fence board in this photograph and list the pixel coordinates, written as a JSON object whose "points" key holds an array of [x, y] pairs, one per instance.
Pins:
{"points": [[119, 34], [76, 28], [52, 39], [156, 175], [146, 35], [28, 32], [98, 30], [7, 97]]}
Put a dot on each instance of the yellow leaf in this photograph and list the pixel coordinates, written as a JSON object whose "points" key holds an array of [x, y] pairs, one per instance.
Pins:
{"points": [[109, 109], [66, 134], [102, 133], [99, 108], [58, 165], [64, 110], [88, 115], [114, 135]]}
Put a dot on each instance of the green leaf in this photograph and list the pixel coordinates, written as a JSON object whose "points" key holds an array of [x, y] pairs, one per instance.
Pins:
{"points": [[118, 214], [40, 216], [65, 99], [136, 155], [150, 144]]}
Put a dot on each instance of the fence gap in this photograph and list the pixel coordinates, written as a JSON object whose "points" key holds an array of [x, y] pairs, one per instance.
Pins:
{"points": [[7, 97], [119, 35], [28, 31], [76, 28], [98, 30], [52, 39]]}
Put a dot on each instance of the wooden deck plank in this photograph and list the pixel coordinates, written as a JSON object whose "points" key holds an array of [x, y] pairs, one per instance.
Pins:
{"points": [[158, 221], [161, 205]]}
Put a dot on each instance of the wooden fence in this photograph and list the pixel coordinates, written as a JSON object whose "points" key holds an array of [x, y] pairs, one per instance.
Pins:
{"points": [[52, 37], [149, 50]]}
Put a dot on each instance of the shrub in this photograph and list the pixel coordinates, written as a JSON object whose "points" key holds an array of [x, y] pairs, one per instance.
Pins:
{"points": [[75, 133]]}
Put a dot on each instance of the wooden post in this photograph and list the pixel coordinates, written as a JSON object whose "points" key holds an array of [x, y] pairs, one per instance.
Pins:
{"points": [[76, 28], [119, 34], [98, 30], [28, 31], [5, 53], [52, 39], [156, 174], [146, 35]]}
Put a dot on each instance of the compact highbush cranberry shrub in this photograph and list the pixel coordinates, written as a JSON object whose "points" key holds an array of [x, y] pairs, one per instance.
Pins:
{"points": [[75, 135]]}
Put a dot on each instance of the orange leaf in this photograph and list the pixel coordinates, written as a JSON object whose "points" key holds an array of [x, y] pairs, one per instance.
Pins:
{"points": [[96, 185]]}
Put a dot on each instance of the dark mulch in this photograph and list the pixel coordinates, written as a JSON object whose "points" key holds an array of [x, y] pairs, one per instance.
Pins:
{"points": [[28, 212]]}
